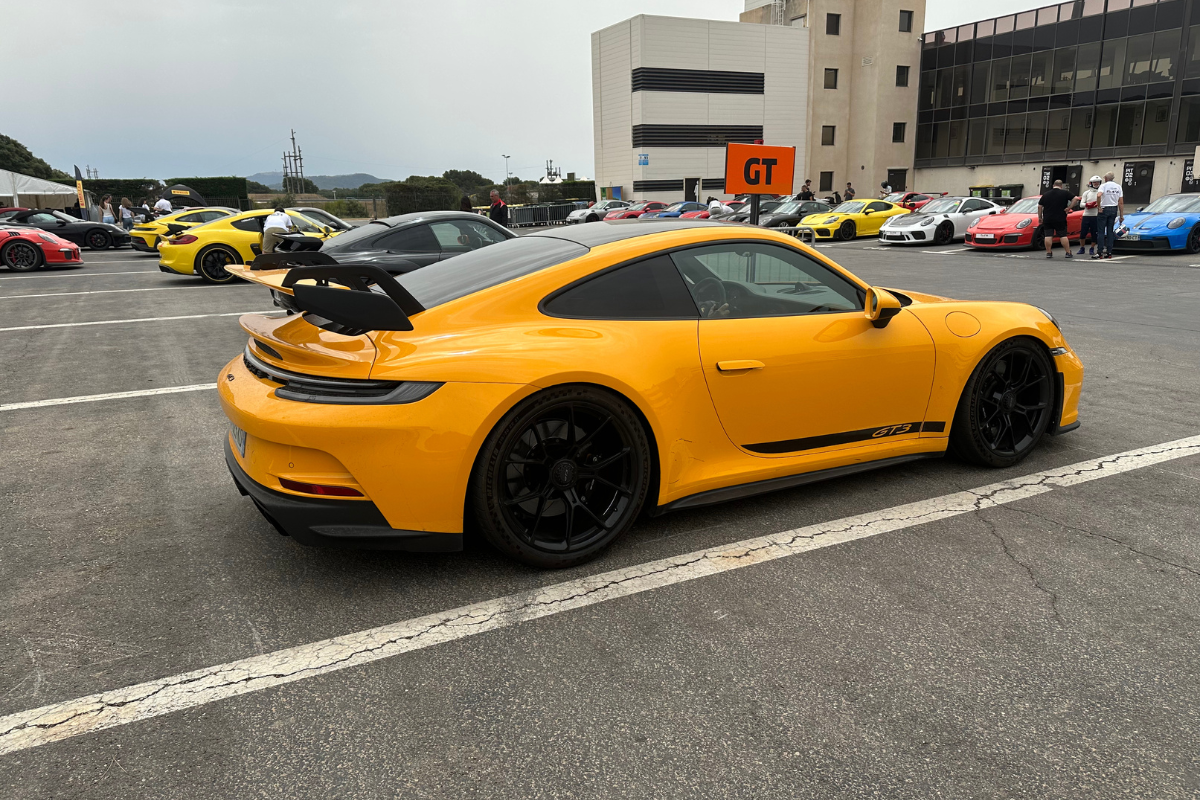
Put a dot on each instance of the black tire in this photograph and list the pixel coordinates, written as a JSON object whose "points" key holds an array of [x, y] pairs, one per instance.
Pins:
{"points": [[1006, 405], [561, 477], [1193, 240], [944, 233], [212, 260], [1039, 240], [21, 256], [592, 218], [98, 239], [847, 231]]}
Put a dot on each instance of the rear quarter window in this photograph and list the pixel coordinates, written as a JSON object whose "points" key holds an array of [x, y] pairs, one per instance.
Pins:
{"points": [[649, 289]]}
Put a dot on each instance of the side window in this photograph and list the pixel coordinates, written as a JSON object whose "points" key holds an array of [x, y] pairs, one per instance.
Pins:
{"points": [[413, 239], [877, 206], [39, 219], [917, 198], [650, 289], [252, 224], [741, 279], [972, 205], [191, 218], [464, 235], [303, 224]]}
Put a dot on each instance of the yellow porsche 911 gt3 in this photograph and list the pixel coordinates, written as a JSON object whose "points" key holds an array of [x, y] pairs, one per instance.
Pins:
{"points": [[552, 386], [851, 219], [144, 237], [207, 249]]}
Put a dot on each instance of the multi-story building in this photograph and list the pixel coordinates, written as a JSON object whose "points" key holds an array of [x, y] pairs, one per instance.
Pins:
{"points": [[833, 78], [1064, 92]]}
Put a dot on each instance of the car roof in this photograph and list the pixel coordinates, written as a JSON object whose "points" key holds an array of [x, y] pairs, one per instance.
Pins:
{"points": [[609, 231], [416, 216]]}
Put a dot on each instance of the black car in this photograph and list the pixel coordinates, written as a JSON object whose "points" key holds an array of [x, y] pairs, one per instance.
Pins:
{"points": [[96, 235], [743, 214], [409, 241], [790, 214]]}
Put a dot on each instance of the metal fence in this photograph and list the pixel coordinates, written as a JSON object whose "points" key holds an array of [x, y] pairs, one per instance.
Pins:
{"points": [[549, 214]]}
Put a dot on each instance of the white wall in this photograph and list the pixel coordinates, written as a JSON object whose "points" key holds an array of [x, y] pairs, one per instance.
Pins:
{"points": [[1168, 175]]}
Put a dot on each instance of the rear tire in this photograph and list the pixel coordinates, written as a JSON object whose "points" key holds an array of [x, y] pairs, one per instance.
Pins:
{"points": [[21, 256], [98, 240], [211, 263], [1006, 405], [561, 477], [847, 231]]}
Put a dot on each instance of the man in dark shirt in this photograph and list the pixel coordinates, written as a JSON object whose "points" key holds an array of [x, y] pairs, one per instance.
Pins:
{"points": [[1052, 216], [499, 211], [806, 192]]}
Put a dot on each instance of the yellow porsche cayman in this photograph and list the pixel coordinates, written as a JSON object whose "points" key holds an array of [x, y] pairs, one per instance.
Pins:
{"points": [[552, 386], [145, 236], [207, 249], [851, 219]]}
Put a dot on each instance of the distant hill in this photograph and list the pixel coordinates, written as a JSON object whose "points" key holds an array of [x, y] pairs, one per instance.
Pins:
{"points": [[275, 180]]}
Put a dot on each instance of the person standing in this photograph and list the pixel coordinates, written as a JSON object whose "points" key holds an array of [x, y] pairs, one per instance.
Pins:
{"points": [[106, 210], [275, 226], [849, 193], [1112, 211], [126, 212], [1052, 215], [499, 209], [162, 206], [806, 192], [1089, 201]]}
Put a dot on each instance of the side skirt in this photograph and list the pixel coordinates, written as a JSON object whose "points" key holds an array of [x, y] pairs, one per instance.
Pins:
{"points": [[713, 496]]}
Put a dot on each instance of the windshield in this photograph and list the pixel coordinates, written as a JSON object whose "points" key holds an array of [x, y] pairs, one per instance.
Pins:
{"points": [[639, 207], [852, 207], [611, 204], [788, 208], [675, 207], [64, 217], [895, 197], [487, 267], [1027, 206], [946, 206], [1174, 202]]}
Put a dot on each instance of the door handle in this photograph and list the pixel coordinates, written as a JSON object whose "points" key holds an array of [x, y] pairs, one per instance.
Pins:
{"points": [[739, 366]]}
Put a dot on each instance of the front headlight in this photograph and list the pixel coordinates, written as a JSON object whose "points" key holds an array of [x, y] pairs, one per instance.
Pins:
{"points": [[46, 238], [1176, 223], [1049, 316], [831, 220], [974, 222], [926, 222], [1025, 223]]}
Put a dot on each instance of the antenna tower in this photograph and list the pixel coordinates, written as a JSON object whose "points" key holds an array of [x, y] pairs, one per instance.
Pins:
{"points": [[293, 169]]}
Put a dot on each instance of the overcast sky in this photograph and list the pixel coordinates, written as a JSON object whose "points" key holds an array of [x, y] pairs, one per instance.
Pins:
{"points": [[390, 87]]}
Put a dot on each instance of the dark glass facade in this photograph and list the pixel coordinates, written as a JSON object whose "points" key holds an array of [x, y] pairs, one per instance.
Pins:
{"points": [[1081, 80]]}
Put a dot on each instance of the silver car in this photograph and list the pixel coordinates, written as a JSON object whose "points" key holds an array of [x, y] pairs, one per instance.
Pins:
{"points": [[940, 221], [596, 212]]}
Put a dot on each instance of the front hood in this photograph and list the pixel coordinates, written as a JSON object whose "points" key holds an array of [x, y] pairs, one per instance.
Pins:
{"points": [[1146, 221], [1004, 222], [825, 219], [578, 214], [908, 221]]}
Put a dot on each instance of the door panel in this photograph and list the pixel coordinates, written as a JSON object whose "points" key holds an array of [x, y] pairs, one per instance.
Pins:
{"points": [[826, 381]]}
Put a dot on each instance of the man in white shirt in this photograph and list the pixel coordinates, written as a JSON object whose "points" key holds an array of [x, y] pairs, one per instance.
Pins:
{"points": [[1112, 211], [276, 225], [1089, 201], [163, 206]]}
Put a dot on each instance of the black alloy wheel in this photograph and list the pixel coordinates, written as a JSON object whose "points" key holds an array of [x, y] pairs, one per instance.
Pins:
{"points": [[1193, 240], [561, 477], [21, 256], [212, 261], [99, 240], [1006, 406], [944, 233], [847, 231]]}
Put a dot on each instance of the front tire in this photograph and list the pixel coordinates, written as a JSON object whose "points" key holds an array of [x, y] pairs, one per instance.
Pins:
{"points": [[99, 240], [944, 234], [1006, 405], [211, 263], [847, 231], [1193, 240], [21, 256], [1039, 240], [561, 477], [592, 218]]}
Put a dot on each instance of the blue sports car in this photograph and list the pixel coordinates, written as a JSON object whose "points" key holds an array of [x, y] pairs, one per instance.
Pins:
{"points": [[676, 209], [1169, 223]]}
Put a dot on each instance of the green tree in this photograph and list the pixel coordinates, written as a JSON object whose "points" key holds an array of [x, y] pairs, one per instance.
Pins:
{"points": [[16, 157], [468, 180], [254, 187]]}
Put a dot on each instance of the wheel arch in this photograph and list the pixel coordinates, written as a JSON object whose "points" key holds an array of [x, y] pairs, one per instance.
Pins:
{"points": [[13, 241]]}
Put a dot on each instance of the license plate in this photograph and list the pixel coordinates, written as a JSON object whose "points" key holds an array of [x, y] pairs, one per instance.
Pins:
{"points": [[985, 237], [894, 237], [1132, 237], [239, 439]]}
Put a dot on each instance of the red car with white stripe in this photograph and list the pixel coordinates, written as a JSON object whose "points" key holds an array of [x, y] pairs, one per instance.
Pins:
{"points": [[24, 249], [1016, 227], [635, 211]]}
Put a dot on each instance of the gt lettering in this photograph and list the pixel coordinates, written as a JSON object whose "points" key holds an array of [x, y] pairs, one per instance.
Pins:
{"points": [[893, 430], [754, 176]]}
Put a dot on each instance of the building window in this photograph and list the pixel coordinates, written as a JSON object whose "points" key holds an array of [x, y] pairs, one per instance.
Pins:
{"points": [[830, 78], [826, 182], [906, 20], [898, 131], [902, 76], [833, 24], [827, 134]]}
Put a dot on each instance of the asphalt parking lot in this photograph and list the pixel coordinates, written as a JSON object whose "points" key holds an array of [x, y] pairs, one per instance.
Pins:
{"points": [[1045, 646]]}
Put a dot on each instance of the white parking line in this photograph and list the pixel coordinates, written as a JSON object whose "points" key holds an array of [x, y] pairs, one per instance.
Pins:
{"points": [[105, 291], [148, 259], [93, 398], [74, 274], [125, 321], [52, 723], [950, 252]]}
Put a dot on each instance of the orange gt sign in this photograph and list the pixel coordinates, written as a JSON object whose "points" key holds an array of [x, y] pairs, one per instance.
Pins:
{"points": [[759, 169]]}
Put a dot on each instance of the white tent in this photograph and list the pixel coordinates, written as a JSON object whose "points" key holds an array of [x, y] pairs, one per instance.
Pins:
{"points": [[30, 192]]}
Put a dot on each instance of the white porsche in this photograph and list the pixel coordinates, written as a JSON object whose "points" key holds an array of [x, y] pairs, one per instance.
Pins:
{"points": [[939, 221]]}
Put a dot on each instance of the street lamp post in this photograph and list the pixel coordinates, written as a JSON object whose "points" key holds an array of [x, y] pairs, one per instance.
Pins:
{"points": [[507, 175]]}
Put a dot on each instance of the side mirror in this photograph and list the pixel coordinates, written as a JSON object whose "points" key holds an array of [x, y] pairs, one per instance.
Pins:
{"points": [[866, 213], [1141, 208], [328, 231], [64, 222], [881, 306]]}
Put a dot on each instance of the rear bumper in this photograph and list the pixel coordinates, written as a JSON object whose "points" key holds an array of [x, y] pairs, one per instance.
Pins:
{"points": [[335, 523], [139, 244]]}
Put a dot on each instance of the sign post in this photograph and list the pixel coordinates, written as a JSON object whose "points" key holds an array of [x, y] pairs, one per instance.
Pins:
{"points": [[758, 169], [83, 209]]}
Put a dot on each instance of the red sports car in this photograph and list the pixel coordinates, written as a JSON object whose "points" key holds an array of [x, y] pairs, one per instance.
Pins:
{"points": [[24, 249], [1016, 227], [912, 200], [635, 211], [695, 214]]}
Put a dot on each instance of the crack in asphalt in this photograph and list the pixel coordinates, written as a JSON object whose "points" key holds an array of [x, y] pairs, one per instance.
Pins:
{"points": [[1050, 593]]}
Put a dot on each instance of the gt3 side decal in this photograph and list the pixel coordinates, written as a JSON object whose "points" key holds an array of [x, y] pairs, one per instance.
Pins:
{"points": [[846, 437]]}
